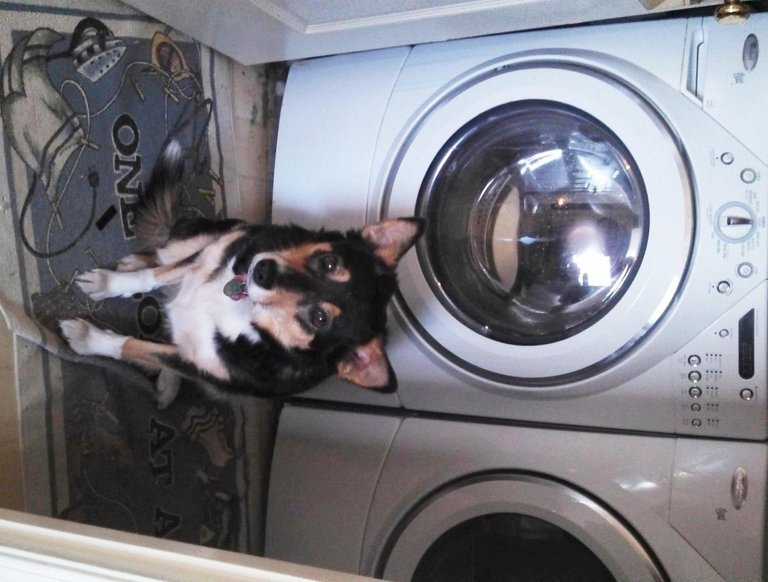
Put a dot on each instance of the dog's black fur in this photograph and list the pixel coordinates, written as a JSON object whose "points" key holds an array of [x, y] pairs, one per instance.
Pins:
{"points": [[313, 303]]}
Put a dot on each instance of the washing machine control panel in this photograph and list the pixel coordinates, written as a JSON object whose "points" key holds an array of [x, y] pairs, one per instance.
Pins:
{"points": [[720, 377], [733, 196]]}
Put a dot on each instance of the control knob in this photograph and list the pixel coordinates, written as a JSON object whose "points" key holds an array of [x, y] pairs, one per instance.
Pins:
{"points": [[735, 222]]}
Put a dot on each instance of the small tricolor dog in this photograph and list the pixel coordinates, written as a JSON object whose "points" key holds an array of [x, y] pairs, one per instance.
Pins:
{"points": [[260, 310]]}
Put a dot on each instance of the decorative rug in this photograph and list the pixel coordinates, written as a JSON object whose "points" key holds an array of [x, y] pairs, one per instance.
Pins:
{"points": [[90, 91]]}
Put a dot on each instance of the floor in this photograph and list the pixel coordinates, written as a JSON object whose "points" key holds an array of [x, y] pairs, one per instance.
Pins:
{"points": [[255, 125], [255, 109]]}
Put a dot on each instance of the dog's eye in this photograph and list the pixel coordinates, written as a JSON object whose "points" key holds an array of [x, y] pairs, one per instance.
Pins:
{"points": [[329, 263], [319, 318]]}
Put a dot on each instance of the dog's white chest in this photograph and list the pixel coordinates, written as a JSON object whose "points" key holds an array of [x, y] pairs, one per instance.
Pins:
{"points": [[200, 312]]}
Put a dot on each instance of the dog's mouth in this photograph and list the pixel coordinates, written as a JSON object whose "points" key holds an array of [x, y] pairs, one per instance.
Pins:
{"points": [[240, 287], [236, 288]]}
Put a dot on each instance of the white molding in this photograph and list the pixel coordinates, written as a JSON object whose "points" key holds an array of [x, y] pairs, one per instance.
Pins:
{"points": [[281, 13], [464, 9], [29, 566], [260, 31], [35, 548]]}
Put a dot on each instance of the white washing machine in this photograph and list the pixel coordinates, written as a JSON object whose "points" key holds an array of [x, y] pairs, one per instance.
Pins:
{"points": [[596, 249], [409, 497]]}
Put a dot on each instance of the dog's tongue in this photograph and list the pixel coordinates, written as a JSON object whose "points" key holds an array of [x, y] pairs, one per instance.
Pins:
{"points": [[235, 288]]}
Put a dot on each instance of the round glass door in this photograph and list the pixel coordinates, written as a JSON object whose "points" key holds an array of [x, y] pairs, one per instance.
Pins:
{"points": [[537, 219], [509, 546], [515, 527], [559, 215]]}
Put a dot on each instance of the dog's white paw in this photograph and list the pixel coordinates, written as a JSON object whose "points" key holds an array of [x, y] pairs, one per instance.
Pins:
{"points": [[88, 340], [97, 284], [101, 283], [76, 332]]}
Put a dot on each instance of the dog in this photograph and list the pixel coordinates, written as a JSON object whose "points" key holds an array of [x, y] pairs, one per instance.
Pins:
{"points": [[255, 310]]}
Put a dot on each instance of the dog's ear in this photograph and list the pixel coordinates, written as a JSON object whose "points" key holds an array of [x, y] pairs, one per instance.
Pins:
{"points": [[393, 237], [367, 366]]}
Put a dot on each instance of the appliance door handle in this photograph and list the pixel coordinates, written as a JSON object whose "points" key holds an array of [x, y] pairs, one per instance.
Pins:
{"points": [[694, 74]]}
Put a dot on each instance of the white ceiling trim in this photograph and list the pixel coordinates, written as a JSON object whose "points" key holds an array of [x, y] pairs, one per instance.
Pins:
{"points": [[282, 14], [408, 16]]}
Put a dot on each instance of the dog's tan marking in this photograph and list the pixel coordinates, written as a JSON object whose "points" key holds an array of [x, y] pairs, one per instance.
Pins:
{"points": [[331, 309], [178, 250], [170, 274], [279, 317], [137, 261], [340, 275], [146, 354], [301, 256], [297, 258], [149, 355]]}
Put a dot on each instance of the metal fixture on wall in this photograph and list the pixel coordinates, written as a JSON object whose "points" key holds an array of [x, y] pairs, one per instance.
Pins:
{"points": [[732, 12]]}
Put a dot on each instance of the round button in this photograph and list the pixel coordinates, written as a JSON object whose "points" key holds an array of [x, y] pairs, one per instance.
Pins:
{"points": [[696, 407], [745, 269], [695, 392], [747, 394], [724, 287], [748, 175], [723, 333], [726, 158], [696, 422], [694, 360], [694, 376]]}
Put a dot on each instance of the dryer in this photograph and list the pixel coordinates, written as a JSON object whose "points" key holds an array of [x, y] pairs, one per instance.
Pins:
{"points": [[596, 249], [425, 498]]}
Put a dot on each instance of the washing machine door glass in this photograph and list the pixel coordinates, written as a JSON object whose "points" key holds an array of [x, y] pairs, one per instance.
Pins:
{"points": [[537, 217], [509, 546], [514, 527]]}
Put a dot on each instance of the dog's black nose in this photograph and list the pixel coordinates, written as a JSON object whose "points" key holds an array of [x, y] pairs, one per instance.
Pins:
{"points": [[264, 273]]}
